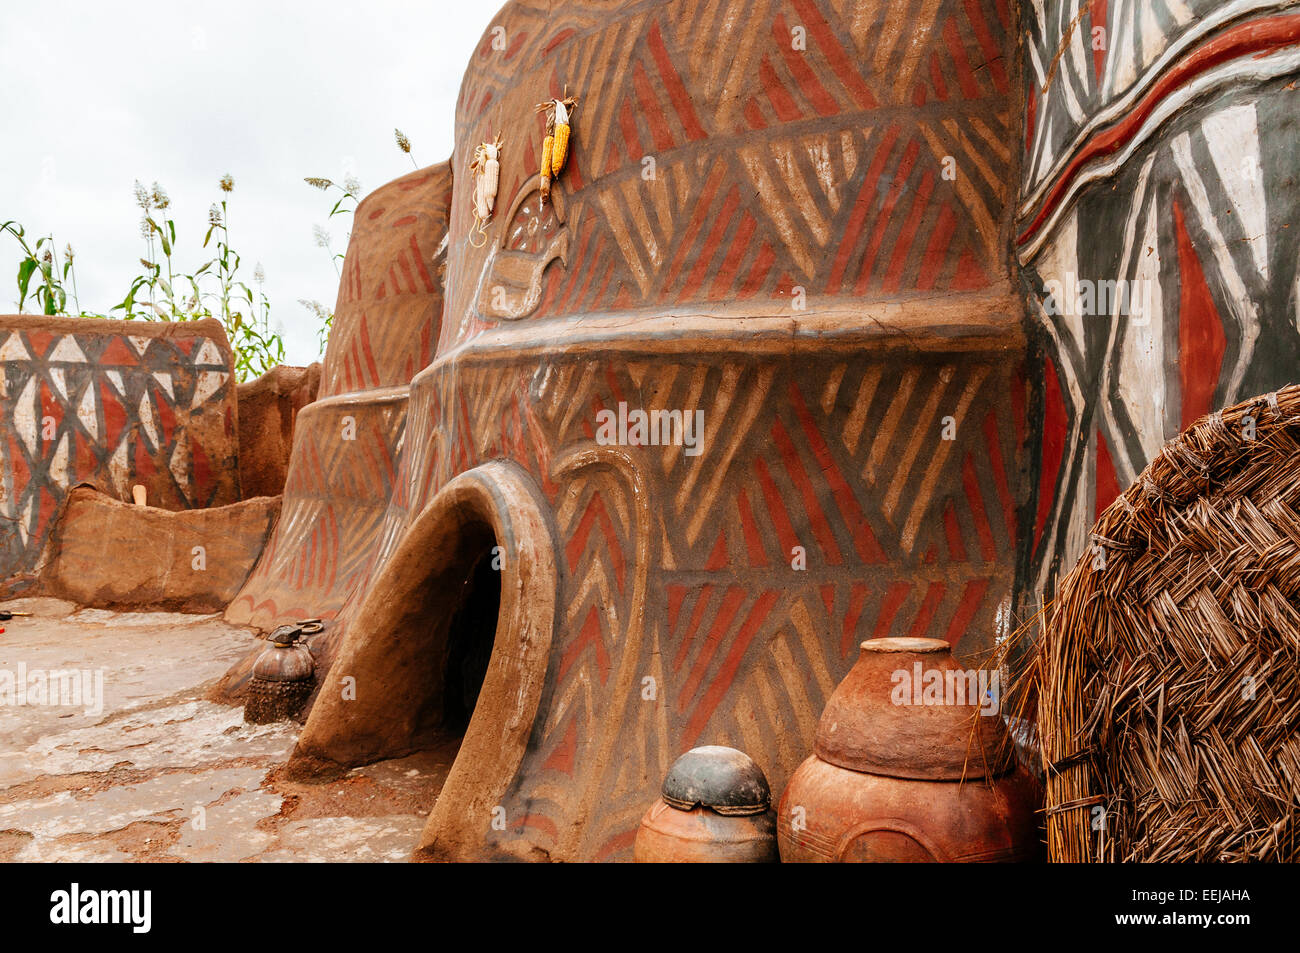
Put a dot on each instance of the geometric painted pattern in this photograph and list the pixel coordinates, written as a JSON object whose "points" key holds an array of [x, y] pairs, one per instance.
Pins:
{"points": [[823, 167], [389, 304], [1200, 212], [111, 404], [335, 498], [347, 445], [688, 578]]}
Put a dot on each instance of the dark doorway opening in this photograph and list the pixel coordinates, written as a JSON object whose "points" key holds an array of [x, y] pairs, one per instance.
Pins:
{"points": [[469, 643]]}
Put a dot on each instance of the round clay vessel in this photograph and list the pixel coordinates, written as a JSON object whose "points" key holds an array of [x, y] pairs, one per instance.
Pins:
{"points": [[831, 814], [724, 779], [911, 763], [286, 659], [702, 836], [716, 808], [908, 710]]}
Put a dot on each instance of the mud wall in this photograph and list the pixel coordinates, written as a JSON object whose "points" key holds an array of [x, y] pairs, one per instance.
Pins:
{"points": [[802, 268], [113, 404], [343, 467], [268, 410], [1157, 233]]}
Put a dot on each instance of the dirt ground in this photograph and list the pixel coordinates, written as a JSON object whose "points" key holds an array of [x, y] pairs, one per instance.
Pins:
{"points": [[163, 774]]}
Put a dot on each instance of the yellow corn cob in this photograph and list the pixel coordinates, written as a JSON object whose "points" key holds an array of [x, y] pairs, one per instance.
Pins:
{"points": [[548, 146], [560, 151]]}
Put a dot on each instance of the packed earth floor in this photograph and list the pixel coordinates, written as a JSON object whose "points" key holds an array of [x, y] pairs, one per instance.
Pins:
{"points": [[163, 773]]}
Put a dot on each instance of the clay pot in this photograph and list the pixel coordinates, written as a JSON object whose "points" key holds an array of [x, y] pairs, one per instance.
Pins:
{"points": [[669, 835], [715, 808], [282, 677], [911, 763]]}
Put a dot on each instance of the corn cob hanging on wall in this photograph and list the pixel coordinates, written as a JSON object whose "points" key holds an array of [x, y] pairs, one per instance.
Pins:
{"points": [[486, 169], [555, 146], [560, 151], [548, 147]]}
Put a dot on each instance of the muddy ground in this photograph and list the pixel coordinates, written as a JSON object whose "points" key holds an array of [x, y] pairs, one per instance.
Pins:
{"points": [[164, 774]]}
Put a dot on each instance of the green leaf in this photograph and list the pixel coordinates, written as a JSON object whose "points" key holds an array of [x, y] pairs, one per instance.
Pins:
{"points": [[25, 269]]}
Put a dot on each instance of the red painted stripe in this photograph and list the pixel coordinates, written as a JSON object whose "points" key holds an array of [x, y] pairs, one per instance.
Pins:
{"points": [[704, 257], [994, 447], [702, 205], [363, 335], [730, 665], [783, 103], [706, 593], [970, 482], [757, 272], [864, 540], [776, 510], [889, 607], [952, 530], [718, 558], [1201, 341], [936, 78], [816, 518], [961, 63], [797, 63], [753, 540], [589, 635], [1106, 483], [731, 603], [904, 244], [992, 54], [724, 282], [842, 64], [617, 843], [676, 592], [866, 201], [1055, 424], [1257, 37], [971, 599], [631, 136], [921, 624], [425, 277], [1097, 15], [651, 110], [558, 39], [936, 253], [681, 99], [883, 220], [849, 628]]}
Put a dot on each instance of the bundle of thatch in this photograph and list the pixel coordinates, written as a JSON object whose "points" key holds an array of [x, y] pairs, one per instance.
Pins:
{"points": [[1169, 672]]}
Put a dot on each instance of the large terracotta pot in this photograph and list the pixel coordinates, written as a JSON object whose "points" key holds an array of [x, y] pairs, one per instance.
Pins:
{"points": [[910, 763]]}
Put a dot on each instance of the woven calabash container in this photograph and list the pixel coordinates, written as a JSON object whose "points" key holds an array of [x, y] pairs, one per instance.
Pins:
{"points": [[1169, 672]]}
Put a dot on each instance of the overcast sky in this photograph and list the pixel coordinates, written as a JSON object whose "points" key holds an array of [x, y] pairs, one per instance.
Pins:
{"points": [[95, 94]]}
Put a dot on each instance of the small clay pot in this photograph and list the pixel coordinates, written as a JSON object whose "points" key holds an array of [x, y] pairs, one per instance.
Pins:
{"points": [[715, 808], [282, 678], [669, 835], [899, 775]]}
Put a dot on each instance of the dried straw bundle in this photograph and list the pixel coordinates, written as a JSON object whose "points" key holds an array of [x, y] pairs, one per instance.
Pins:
{"points": [[1168, 678]]}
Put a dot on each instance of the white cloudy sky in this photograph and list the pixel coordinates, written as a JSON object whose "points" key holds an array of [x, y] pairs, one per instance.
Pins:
{"points": [[95, 94]]}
